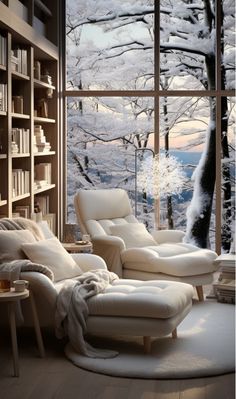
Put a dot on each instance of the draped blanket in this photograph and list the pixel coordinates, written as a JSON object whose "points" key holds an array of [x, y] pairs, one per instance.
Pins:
{"points": [[72, 310], [12, 270]]}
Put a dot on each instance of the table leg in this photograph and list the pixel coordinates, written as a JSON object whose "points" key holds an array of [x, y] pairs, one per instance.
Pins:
{"points": [[14, 339], [37, 326]]}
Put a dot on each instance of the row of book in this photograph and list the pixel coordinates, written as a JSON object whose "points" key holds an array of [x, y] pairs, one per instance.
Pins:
{"points": [[3, 97], [42, 174], [19, 61], [20, 182], [224, 287], [20, 141], [3, 52], [39, 141]]}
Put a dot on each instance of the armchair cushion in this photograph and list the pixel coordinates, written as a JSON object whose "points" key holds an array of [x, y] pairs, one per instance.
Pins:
{"points": [[10, 244], [134, 235], [51, 253]]}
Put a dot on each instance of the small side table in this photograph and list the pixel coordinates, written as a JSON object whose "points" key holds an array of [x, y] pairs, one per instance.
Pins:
{"points": [[11, 297], [72, 247]]}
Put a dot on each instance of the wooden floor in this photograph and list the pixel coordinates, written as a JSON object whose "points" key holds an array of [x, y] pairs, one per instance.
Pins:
{"points": [[54, 377]]}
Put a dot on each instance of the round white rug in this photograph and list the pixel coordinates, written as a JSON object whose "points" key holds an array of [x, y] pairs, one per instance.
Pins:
{"points": [[204, 347]]}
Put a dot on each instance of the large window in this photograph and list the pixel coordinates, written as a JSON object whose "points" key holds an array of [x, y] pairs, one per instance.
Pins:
{"points": [[153, 82]]}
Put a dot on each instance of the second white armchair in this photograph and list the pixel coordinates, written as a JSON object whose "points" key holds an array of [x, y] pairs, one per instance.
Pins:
{"points": [[131, 251]]}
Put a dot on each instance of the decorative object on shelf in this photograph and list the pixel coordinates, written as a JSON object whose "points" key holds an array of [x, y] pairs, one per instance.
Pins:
{"points": [[18, 104], [42, 108], [37, 69], [39, 140]]}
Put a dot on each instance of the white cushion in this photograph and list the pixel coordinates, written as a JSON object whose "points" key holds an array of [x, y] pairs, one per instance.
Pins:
{"points": [[10, 244], [51, 253], [133, 298], [134, 235]]}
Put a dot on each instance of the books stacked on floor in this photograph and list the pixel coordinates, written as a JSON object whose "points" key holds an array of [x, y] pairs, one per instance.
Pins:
{"points": [[20, 182], [42, 174], [20, 141], [40, 143], [224, 287]]}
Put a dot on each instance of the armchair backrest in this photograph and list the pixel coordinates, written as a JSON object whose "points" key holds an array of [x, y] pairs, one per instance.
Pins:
{"points": [[96, 210]]}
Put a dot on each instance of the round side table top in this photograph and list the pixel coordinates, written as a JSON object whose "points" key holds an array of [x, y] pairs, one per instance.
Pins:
{"points": [[12, 295]]}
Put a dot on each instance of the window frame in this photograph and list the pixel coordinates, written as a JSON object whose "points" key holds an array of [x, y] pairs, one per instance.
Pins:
{"points": [[156, 94]]}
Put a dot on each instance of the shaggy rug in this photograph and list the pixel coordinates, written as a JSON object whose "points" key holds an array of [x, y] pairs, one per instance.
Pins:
{"points": [[204, 347]]}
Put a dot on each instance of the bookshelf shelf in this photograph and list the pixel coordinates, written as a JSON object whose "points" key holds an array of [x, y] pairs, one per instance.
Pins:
{"points": [[20, 116], [41, 84], [19, 76], [20, 197], [29, 38], [45, 188], [44, 153], [26, 155], [39, 119]]}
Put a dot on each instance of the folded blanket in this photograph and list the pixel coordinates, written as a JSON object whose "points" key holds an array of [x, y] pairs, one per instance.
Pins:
{"points": [[72, 310]]}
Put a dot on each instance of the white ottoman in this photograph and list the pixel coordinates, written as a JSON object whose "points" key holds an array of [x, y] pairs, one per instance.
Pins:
{"points": [[139, 308]]}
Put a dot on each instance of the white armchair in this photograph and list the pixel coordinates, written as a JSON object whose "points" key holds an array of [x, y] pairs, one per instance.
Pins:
{"points": [[131, 251]]}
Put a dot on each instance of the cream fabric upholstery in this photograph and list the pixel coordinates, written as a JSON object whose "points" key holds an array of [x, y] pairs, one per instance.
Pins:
{"points": [[127, 307], [100, 211], [51, 253]]}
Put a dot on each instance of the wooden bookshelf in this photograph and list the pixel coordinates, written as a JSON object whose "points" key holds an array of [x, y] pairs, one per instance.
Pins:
{"points": [[31, 104]]}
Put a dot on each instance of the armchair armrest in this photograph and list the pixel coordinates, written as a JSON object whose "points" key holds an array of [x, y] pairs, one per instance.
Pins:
{"points": [[89, 262], [162, 236], [110, 248]]}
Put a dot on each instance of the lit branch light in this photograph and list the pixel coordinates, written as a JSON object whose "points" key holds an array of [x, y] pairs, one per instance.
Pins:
{"points": [[161, 176]]}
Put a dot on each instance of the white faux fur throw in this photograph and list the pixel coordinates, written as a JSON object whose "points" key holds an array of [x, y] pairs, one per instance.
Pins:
{"points": [[72, 310]]}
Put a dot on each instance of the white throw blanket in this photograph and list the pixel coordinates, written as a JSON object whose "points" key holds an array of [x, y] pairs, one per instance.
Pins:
{"points": [[72, 310]]}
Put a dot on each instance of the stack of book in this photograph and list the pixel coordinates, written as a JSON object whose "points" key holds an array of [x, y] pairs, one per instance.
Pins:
{"points": [[20, 182], [19, 61], [22, 210], [3, 46], [20, 140], [40, 143], [42, 174], [224, 287], [3, 97]]}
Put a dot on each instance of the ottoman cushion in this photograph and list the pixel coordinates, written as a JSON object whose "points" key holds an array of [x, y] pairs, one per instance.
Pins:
{"points": [[148, 299]]}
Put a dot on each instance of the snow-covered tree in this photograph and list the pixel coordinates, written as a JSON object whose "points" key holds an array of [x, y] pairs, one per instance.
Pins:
{"points": [[111, 47]]}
